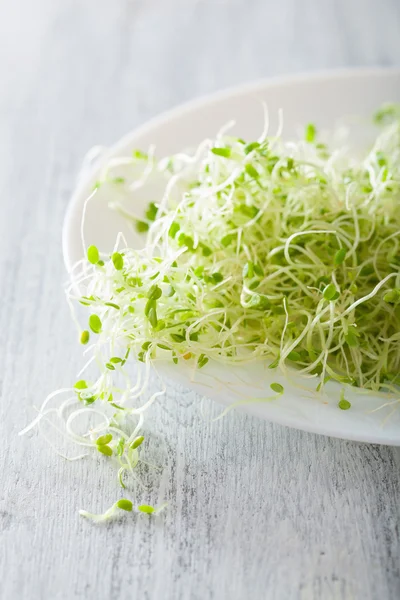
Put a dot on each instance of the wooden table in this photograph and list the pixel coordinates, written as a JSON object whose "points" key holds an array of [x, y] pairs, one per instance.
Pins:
{"points": [[255, 510]]}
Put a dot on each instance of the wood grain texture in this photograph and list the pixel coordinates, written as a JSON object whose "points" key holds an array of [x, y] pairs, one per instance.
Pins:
{"points": [[256, 510]]}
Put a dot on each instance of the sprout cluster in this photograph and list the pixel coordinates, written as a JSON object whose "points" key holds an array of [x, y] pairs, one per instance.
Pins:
{"points": [[285, 252]]}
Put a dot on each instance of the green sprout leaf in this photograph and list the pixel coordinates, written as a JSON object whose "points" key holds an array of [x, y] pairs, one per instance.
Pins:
{"points": [[118, 261], [141, 226], [137, 442], [352, 337], [112, 305], [154, 293], [277, 387], [145, 508], [152, 316], [173, 230], [202, 361], [252, 171], [93, 255], [225, 152], [104, 439], [387, 114], [104, 449], [81, 385], [330, 292], [274, 364], [151, 212], [120, 446], [344, 404], [85, 335], [250, 147], [340, 256], [125, 504], [310, 133], [392, 296], [95, 323]]}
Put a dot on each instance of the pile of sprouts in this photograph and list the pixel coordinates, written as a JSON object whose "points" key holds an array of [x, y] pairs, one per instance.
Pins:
{"points": [[279, 251]]}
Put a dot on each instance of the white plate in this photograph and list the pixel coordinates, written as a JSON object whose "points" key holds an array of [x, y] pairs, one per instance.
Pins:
{"points": [[321, 98]]}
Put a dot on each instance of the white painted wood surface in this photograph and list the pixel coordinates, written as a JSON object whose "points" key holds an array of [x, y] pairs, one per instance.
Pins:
{"points": [[256, 510]]}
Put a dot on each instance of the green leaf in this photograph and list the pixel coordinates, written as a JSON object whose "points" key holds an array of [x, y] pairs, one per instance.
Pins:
{"points": [[206, 251], [258, 270], [392, 296], [118, 261], [152, 316], [248, 211], [145, 508], [141, 226], [387, 113], [154, 292], [125, 504], [177, 337], [228, 239], [217, 277], [149, 305], [115, 360], [88, 399], [250, 170], [310, 133], [340, 256], [139, 155], [294, 356], [290, 164], [169, 291], [202, 361], [104, 449], [250, 147], [330, 292], [185, 240], [85, 335], [351, 337], [118, 180], [93, 255], [248, 270], [95, 323], [173, 230], [381, 159], [104, 439], [277, 387], [151, 212], [137, 442], [120, 446], [81, 385], [112, 305], [367, 270], [225, 152], [198, 271], [344, 404]]}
